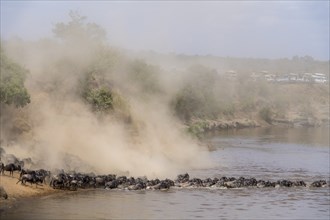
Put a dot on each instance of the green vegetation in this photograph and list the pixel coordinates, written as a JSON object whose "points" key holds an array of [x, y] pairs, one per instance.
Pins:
{"points": [[77, 31], [198, 129], [143, 76], [99, 93], [12, 90], [97, 75], [197, 98], [266, 114], [101, 99]]}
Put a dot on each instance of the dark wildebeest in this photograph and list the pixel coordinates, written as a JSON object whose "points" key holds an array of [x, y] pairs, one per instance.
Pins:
{"points": [[2, 167], [58, 181], [23, 171], [11, 168], [31, 178]]}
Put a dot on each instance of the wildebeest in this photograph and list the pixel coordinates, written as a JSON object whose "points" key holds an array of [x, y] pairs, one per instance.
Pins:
{"points": [[11, 168], [23, 171], [2, 167], [58, 181], [31, 178], [41, 173], [182, 178]]}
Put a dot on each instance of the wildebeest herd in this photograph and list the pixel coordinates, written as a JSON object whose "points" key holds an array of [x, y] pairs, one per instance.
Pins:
{"points": [[73, 181]]}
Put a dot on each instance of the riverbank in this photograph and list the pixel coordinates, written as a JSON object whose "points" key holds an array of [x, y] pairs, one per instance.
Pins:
{"points": [[266, 105], [16, 192], [200, 128]]}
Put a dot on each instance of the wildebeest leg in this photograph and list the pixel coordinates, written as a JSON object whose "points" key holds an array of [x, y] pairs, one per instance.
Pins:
{"points": [[21, 180], [37, 184]]}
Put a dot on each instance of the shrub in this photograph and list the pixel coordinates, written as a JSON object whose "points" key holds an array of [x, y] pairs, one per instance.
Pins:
{"points": [[198, 128], [101, 99], [197, 96], [266, 114], [12, 90]]}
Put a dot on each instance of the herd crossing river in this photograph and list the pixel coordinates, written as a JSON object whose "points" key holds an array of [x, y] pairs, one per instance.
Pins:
{"points": [[260, 173]]}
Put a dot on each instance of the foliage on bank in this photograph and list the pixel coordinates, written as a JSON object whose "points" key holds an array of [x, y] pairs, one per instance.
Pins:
{"points": [[197, 98], [12, 89]]}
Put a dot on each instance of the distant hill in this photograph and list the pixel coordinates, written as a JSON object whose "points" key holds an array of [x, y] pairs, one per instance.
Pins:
{"points": [[296, 64]]}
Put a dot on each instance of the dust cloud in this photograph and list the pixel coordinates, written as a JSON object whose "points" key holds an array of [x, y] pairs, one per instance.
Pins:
{"points": [[65, 133]]}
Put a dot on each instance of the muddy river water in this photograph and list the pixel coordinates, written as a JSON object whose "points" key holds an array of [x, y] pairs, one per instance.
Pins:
{"points": [[269, 154]]}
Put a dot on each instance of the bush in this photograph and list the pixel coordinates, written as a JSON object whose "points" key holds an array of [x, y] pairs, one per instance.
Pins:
{"points": [[198, 128], [228, 109], [101, 99], [12, 90], [197, 97], [188, 103], [143, 76], [266, 114]]}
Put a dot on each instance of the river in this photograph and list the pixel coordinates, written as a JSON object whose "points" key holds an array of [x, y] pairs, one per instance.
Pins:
{"points": [[263, 153]]}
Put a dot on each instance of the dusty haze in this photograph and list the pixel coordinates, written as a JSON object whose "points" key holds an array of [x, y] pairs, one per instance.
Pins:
{"points": [[143, 134], [64, 133]]}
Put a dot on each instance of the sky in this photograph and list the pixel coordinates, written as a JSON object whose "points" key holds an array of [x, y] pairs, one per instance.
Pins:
{"points": [[256, 29]]}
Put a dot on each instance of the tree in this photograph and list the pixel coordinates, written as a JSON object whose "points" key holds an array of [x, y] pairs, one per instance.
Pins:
{"points": [[77, 30], [12, 89], [197, 97], [144, 76]]}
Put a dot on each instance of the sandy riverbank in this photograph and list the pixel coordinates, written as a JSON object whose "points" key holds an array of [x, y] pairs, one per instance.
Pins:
{"points": [[16, 192]]}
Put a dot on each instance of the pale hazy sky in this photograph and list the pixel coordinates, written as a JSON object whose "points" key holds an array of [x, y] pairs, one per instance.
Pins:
{"points": [[260, 29]]}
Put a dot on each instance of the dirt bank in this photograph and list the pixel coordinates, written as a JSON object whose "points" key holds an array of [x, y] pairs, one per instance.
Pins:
{"points": [[18, 191]]}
